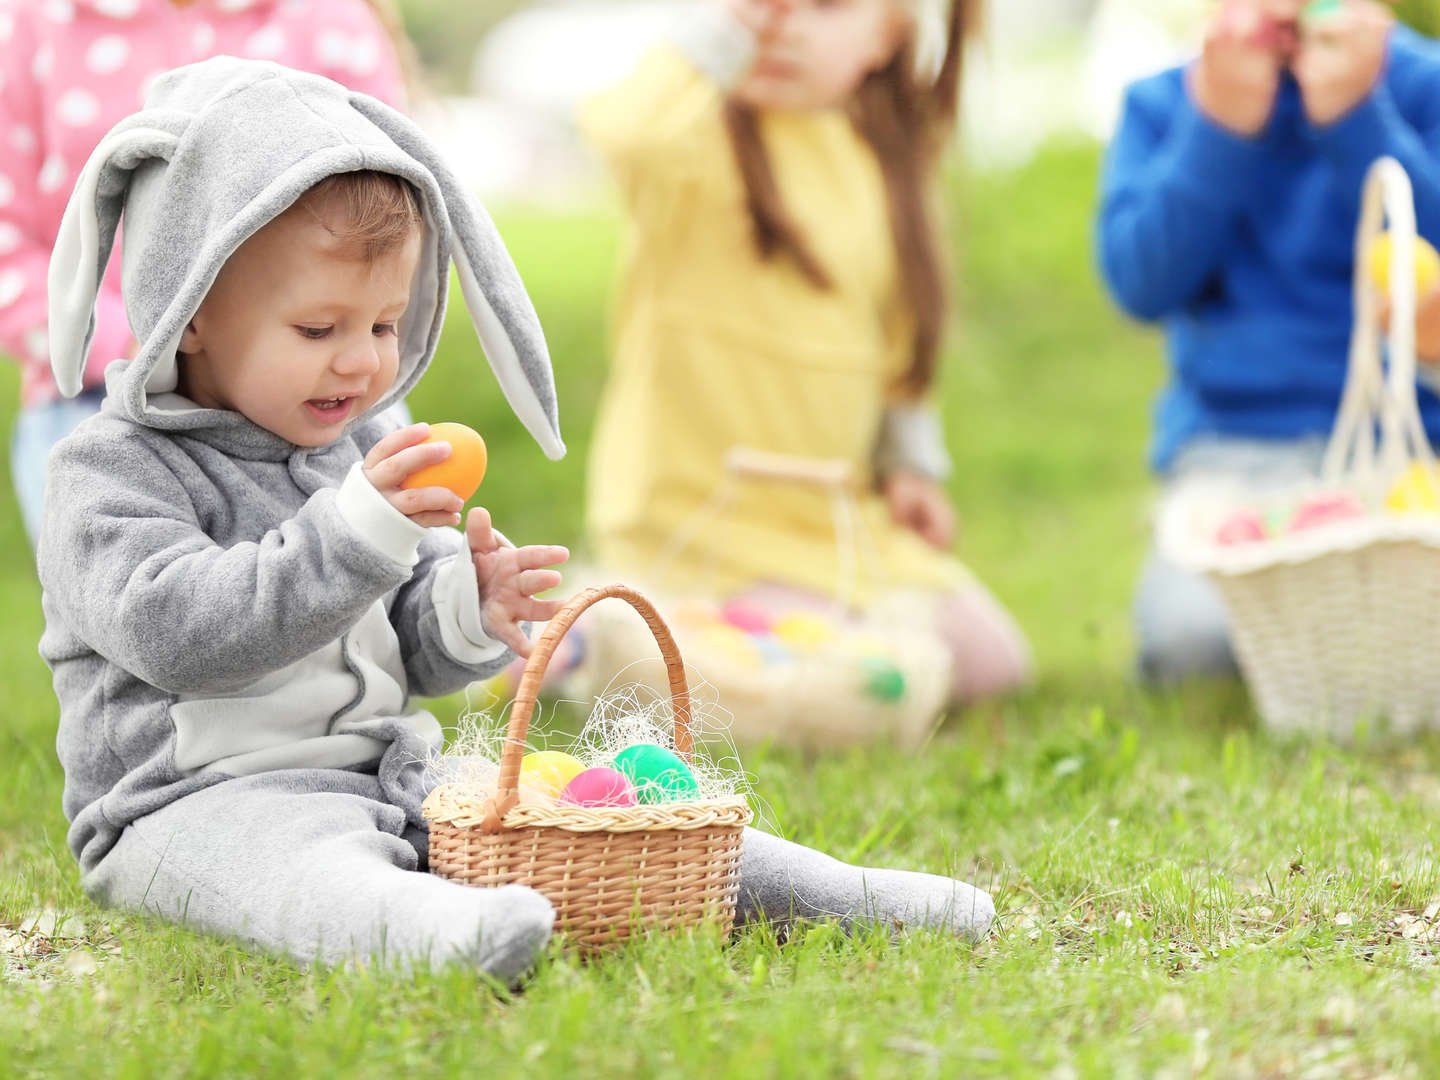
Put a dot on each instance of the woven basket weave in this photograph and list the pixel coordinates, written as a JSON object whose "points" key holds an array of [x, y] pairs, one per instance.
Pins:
{"points": [[609, 871], [1338, 626]]}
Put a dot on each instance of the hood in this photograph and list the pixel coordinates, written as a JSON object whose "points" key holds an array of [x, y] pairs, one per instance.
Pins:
{"points": [[222, 148]]}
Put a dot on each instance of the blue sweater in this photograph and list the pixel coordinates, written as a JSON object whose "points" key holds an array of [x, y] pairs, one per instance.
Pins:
{"points": [[1244, 248]]}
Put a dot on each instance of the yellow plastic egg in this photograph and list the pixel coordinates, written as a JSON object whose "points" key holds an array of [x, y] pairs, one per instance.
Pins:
{"points": [[549, 771], [1427, 264], [804, 632], [1416, 492], [728, 644]]}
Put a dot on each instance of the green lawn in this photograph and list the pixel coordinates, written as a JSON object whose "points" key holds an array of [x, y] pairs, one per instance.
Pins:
{"points": [[1181, 893]]}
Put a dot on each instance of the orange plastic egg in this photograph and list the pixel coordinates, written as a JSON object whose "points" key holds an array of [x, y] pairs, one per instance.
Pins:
{"points": [[463, 470]]}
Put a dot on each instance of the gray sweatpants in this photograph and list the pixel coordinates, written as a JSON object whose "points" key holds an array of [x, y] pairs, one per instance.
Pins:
{"points": [[317, 865]]}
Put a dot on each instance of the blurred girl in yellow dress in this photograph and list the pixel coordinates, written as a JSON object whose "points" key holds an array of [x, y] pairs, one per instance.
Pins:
{"points": [[780, 318]]}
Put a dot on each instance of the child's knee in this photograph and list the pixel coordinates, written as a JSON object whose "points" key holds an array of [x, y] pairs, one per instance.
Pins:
{"points": [[990, 654], [1179, 651], [1182, 625]]}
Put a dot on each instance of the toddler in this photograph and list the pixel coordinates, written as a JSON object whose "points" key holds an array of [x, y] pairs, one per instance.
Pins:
{"points": [[241, 597], [72, 70]]}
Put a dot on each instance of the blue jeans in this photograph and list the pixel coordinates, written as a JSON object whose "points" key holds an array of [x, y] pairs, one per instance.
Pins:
{"points": [[1180, 617], [38, 429]]}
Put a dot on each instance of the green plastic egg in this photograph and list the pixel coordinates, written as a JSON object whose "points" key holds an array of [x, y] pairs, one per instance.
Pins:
{"points": [[884, 681], [1322, 9], [657, 773]]}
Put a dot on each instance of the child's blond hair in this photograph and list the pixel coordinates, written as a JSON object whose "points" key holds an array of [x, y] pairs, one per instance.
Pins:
{"points": [[369, 212]]}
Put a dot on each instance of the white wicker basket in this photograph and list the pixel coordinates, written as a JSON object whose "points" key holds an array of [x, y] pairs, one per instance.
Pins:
{"points": [[1338, 626]]}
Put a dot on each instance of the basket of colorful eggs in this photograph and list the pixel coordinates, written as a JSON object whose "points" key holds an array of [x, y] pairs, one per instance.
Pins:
{"points": [[805, 677], [632, 844], [1333, 587]]}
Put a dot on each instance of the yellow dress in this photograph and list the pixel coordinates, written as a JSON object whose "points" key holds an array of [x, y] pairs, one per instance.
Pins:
{"points": [[716, 348]]}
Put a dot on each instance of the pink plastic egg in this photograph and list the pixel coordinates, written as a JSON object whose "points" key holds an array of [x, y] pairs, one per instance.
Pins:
{"points": [[1241, 527], [600, 786], [1326, 509], [747, 617]]}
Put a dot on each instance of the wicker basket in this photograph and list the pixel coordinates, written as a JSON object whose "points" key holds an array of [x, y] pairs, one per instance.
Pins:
{"points": [[1337, 626], [814, 698], [609, 871]]}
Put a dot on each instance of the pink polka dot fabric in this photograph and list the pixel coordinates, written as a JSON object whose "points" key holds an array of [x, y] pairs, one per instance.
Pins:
{"points": [[70, 69]]}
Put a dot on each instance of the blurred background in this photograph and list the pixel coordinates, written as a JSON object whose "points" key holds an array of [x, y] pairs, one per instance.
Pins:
{"points": [[1046, 390], [512, 70]]}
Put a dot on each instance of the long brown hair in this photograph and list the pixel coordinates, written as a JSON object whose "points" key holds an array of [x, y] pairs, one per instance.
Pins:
{"points": [[907, 120]]}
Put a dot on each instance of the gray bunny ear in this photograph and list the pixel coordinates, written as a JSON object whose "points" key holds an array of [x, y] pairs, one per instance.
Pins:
{"points": [[499, 306], [87, 236]]}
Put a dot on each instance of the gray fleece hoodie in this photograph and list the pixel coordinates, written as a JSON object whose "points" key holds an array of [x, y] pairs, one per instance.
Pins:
{"points": [[218, 601]]}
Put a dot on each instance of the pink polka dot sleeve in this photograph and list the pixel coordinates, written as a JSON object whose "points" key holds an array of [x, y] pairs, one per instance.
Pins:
{"points": [[345, 41], [24, 254], [27, 214]]}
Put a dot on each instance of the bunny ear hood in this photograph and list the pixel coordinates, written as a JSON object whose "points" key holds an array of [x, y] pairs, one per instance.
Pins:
{"points": [[226, 146]]}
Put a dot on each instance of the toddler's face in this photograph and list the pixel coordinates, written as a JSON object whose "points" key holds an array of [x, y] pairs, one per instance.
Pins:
{"points": [[820, 51], [299, 332]]}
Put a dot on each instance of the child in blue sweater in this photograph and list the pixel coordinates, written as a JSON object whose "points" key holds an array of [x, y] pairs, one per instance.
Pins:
{"points": [[1228, 213]]}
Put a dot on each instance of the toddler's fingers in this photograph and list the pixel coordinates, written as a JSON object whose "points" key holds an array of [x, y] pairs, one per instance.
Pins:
{"points": [[395, 442], [429, 500], [396, 469], [479, 533], [435, 519], [537, 581], [538, 611], [539, 556], [510, 633]]}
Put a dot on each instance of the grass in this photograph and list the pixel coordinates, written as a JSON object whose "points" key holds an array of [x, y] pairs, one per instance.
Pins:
{"points": [[1181, 893]]}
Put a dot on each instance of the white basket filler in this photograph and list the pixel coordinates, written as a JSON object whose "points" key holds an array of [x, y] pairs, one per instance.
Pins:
{"points": [[1333, 588]]}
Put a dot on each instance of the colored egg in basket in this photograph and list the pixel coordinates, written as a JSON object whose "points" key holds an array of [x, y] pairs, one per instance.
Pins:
{"points": [[549, 771], [805, 632], [1327, 508], [725, 642], [1417, 491], [659, 775], [600, 786], [1243, 526], [745, 617], [883, 680]]}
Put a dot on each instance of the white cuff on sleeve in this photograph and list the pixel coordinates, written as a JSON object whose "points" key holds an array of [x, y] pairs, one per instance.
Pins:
{"points": [[370, 514], [911, 438], [715, 42], [456, 596]]}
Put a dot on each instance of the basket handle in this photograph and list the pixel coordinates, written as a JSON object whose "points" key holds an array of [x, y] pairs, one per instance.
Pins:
{"points": [[1369, 395], [507, 789]]}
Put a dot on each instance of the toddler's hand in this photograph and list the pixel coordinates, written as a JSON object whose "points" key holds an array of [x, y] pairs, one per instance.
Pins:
{"points": [[509, 578], [918, 503], [1340, 59], [398, 455], [1238, 74]]}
